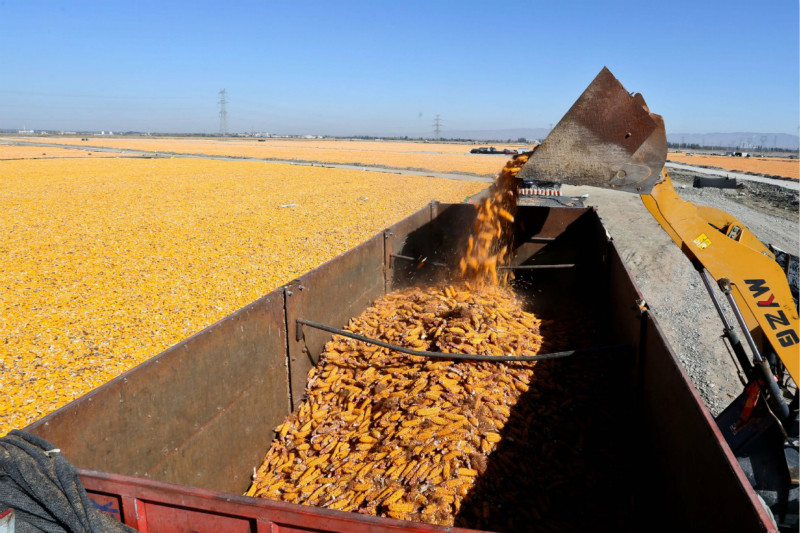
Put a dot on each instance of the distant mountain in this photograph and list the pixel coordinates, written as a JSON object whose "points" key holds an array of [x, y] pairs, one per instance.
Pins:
{"points": [[746, 140], [497, 135]]}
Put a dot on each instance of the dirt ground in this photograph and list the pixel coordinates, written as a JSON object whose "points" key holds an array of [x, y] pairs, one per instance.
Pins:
{"points": [[671, 286]]}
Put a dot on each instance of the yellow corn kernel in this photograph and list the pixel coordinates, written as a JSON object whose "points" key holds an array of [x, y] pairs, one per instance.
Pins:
{"points": [[401, 507], [455, 417], [493, 437], [454, 483], [450, 456], [339, 504], [428, 411], [393, 497]]}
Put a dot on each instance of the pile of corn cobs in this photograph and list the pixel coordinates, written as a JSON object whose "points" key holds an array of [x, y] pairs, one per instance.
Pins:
{"points": [[381, 432]]}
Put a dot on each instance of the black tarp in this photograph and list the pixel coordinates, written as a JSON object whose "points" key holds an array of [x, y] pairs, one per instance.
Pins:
{"points": [[45, 491]]}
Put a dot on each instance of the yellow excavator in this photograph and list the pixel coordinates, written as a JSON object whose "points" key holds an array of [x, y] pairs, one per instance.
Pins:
{"points": [[609, 139]]}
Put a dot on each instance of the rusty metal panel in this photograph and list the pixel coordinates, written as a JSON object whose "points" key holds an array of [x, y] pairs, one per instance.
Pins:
{"points": [[332, 294], [561, 236], [698, 473], [626, 322], [608, 138], [406, 249], [451, 227], [201, 413], [541, 223], [153, 507]]}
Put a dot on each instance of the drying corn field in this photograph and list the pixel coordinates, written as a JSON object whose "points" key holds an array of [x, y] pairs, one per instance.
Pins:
{"points": [[438, 157], [106, 262], [771, 166]]}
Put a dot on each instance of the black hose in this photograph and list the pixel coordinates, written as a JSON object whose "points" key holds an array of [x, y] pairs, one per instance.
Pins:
{"points": [[462, 356]]}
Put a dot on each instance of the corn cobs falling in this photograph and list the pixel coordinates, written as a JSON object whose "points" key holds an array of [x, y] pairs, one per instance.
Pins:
{"points": [[489, 245]]}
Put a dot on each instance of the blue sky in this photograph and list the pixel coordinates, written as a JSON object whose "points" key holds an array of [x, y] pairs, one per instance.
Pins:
{"points": [[387, 68]]}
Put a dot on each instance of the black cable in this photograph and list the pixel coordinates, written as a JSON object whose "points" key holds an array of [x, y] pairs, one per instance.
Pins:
{"points": [[462, 356], [537, 267]]}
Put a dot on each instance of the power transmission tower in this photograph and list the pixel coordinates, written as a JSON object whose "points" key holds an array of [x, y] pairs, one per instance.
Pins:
{"points": [[437, 126], [223, 114]]}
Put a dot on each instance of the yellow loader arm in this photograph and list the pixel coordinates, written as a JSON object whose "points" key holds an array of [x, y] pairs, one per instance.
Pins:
{"points": [[609, 138], [727, 249]]}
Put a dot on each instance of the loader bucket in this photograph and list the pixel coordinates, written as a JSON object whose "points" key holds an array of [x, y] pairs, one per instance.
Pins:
{"points": [[608, 138]]}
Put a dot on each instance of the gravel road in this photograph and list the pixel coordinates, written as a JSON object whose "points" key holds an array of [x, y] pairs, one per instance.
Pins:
{"points": [[671, 286]]}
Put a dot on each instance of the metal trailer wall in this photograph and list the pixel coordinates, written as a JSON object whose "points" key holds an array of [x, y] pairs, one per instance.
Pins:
{"points": [[697, 484], [201, 413], [224, 388]]}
